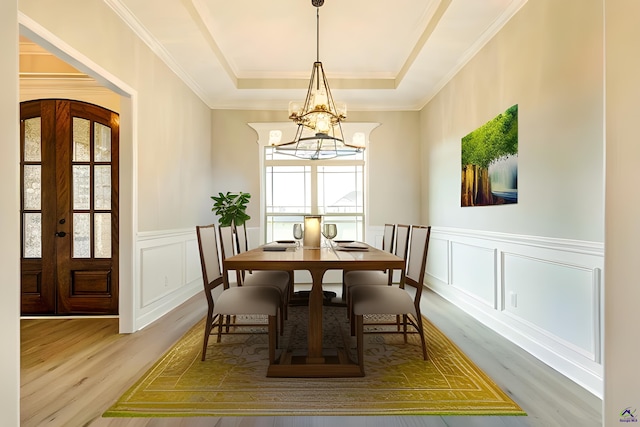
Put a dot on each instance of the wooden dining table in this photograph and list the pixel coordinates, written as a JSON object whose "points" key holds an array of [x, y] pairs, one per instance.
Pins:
{"points": [[317, 261]]}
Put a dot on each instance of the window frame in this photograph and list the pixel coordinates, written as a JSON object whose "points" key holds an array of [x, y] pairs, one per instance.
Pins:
{"points": [[314, 166]]}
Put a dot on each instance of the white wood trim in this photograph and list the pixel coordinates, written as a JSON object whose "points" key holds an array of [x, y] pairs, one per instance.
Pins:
{"points": [[128, 157], [581, 259], [566, 245], [168, 270], [130, 20]]}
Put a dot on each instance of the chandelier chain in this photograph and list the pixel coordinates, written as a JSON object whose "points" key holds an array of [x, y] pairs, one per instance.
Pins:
{"points": [[318, 34]]}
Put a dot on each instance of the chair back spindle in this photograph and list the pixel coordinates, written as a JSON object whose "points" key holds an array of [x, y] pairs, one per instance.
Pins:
{"points": [[417, 260], [209, 259], [388, 238], [402, 240], [227, 249], [241, 236]]}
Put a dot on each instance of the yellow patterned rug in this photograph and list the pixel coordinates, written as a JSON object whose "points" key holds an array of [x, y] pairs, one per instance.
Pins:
{"points": [[232, 380]]}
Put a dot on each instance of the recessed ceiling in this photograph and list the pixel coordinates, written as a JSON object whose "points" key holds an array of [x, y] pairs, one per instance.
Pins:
{"points": [[378, 55]]}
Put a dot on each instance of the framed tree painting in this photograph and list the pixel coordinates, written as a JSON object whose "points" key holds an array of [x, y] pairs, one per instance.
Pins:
{"points": [[490, 162]]}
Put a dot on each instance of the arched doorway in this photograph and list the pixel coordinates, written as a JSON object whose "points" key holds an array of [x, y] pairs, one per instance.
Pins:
{"points": [[69, 208]]}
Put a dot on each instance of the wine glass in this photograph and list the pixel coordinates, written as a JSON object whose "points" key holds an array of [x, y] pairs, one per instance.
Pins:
{"points": [[329, 231], [297, 233]]}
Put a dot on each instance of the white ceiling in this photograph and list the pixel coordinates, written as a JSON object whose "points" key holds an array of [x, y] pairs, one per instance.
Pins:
{"points": [[377, 54]]}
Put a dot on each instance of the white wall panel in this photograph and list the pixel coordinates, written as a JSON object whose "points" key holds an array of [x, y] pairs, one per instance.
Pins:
{"points": [[193, 270], [438, 259], [547, 293], [161, 271], [169, 273], [555, 297], [473, 271]]}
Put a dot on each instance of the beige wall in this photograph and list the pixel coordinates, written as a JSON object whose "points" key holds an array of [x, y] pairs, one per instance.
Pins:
{"points": [[548, 59], [236, 155], [171, 127], [9, 194], [622, 317], [393, 161]]}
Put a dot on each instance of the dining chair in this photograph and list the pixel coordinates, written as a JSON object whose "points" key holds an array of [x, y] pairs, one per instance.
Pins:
{"points": [[375, 277], [242, 245], [388, 245], [224, 301], [242, 242], [395, 299], [278, 279]]}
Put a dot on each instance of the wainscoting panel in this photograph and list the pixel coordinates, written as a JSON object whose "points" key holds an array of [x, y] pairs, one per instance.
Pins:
{"points": [[556, 298], [473, 271], [438, 259], [192, 261], [543, 294], [169, 273], [158, 282]]}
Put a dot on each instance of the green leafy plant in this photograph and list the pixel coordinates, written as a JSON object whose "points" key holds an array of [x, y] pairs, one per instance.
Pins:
{"points": [[495, 139], [231, 208]]}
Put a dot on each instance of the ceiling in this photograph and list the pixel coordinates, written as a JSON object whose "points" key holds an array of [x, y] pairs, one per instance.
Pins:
{"points": [[248, 54]]}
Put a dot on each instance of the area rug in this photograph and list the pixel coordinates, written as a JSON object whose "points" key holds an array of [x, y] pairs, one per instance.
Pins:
{"points": [[232, 380]]}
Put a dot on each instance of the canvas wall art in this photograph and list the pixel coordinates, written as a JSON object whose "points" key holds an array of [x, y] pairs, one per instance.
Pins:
{"points": [[490, 162]]}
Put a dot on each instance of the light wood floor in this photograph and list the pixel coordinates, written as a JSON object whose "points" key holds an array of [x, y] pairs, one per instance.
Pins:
{"points": [[72, 370]]}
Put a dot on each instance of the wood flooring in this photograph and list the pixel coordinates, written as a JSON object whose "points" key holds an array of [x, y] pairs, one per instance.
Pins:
{"points": [[72, 370]]}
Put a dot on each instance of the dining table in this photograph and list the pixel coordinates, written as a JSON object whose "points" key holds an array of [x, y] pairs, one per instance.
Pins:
{"points": [[316, 260]]}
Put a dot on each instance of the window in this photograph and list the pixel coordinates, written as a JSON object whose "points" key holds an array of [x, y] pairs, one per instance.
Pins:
{"points": [[295, 188]]}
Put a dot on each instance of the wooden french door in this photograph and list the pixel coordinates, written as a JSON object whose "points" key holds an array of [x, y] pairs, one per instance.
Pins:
{"points": [[69, 208]]}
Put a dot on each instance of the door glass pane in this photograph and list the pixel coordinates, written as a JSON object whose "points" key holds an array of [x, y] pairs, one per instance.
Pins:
{"points": [[32, 235], [102, 187], [32, 138], [81, 187], [81, 140], [81, 235], [102, 235], [32, 185], [102, 142]]}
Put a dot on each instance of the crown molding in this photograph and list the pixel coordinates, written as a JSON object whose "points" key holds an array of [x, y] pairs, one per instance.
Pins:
{"points": [[141, 31], [488, 34]]}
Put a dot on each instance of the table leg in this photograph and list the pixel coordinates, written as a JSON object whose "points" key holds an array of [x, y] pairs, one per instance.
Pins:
{"points": [[314, 331], [315, 365]]}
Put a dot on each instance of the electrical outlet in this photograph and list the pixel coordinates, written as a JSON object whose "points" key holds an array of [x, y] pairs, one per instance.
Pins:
{"points": [[166, 281], [514, 299]]}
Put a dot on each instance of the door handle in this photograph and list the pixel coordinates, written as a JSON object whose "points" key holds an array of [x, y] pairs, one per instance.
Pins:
{"points": [[61, 234]]}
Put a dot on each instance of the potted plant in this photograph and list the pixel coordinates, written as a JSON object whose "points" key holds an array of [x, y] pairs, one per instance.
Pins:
{"points": [[231, 208]]}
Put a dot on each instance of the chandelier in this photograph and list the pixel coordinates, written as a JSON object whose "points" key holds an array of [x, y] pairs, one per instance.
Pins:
{"points": [[319, 134]]}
